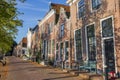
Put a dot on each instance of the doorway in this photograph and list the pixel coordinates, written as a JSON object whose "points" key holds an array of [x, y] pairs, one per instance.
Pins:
{"points": [[109, 57]]}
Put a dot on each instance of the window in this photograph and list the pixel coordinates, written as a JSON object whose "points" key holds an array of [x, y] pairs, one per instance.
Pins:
{"points": [[81, 8], [57, 48], [62, 30], [91, 43], [52, 25], [53, 46], [96, 4], [49, 46], [66, 50], [24, 45], [78, 44], [49, 28], [107, 29], [61, 51]]}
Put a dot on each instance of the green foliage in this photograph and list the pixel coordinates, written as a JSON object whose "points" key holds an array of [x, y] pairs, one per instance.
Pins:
{"points": [[8, 23]]}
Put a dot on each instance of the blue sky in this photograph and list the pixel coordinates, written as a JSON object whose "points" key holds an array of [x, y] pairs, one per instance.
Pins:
{"points": [[33, 10]]}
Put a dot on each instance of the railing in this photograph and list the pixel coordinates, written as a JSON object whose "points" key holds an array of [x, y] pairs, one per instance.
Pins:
{"points": [[89, 66]]}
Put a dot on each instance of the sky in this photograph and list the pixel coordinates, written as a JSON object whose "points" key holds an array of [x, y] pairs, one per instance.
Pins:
{"points": [[33, 10]]}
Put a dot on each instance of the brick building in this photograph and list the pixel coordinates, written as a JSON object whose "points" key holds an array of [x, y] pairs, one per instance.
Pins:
{"points": [[51, 30], [84, 34], [95, 31]]}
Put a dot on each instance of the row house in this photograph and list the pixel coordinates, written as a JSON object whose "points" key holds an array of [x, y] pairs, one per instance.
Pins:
{"points": [[95, 34], [83, 36], [34, 49], [29, 40], [52, 33], [21, 49]]}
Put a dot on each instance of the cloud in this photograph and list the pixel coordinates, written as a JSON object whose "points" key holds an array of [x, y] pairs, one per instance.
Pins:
{"points": [[30, 7], [29, 18]]}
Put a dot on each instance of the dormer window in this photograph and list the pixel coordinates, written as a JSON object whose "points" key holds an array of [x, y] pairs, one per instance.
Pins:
{"points": [[81, 8], [96, 4]]}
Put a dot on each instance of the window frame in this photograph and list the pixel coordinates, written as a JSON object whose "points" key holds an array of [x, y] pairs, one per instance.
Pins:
{"points": [[107, 26], [104, 38], [81, 7], [62, 27], [57, 51], [66, 50], [75, 45], [87, 43], [97, 5]]}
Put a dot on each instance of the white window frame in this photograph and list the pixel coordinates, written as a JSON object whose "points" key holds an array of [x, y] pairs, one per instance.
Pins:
{"points": [[75, 43], [62, 30], [64, 49], [78, 16], [87, 40], [92, 10], [61, 58], [56, 50], [102, 41]]}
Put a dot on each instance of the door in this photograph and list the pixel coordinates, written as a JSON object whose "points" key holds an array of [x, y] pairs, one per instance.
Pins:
{"points": [[109, 56]]}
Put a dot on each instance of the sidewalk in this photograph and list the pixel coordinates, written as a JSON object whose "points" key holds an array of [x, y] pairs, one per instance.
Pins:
{"points": [[79, 76], [41, 72]]}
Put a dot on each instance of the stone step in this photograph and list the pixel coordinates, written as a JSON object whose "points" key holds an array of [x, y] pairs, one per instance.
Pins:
{"points": [[74, 72], [96, 77], [84, 76], [90, 76], [65, 70]]}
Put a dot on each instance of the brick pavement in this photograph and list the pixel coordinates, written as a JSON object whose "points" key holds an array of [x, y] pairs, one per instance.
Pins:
{"points": [[23, 70], [18, 69]]}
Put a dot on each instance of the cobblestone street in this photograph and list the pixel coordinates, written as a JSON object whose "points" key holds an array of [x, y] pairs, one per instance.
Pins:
{"points": [[24, 70]]}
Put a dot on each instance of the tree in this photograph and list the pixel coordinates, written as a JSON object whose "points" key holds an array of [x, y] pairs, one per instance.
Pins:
{"points": [[8, 23]]}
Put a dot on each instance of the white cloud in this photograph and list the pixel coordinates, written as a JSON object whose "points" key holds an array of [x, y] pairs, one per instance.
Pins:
{"points": [[30, 7]]}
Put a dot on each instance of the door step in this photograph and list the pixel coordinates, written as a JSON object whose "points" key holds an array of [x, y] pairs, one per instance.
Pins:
{"points": [[90, 76], [75, 72]]}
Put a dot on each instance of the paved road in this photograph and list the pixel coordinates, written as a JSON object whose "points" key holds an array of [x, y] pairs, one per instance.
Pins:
{"points": [[23, 70]]}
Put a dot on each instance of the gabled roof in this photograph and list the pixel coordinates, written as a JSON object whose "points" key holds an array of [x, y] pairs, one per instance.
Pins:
{"points": [[57, 7]]}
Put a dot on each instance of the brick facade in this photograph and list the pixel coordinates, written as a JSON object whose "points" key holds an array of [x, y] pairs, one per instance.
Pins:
{"points": [[107, 9], [84, 31]]}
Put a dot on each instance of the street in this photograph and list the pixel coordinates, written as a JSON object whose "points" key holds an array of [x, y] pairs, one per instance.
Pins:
{"points": [[25, 70]]}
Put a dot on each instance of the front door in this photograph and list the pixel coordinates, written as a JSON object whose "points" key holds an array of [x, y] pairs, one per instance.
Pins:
{"points": [[109, 56]]}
